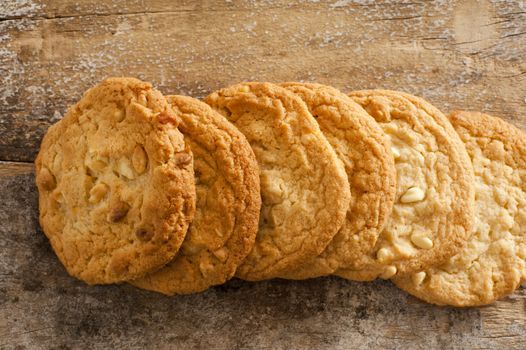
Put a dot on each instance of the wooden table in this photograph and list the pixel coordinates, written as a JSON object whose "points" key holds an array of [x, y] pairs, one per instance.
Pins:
{"points": [[458, 54]]}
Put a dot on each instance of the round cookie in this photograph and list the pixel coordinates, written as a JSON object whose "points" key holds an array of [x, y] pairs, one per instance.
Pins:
{"points": [[304, 188], [433, 212], [493, 263], [364, 150], [228, 203], [116, 185]]}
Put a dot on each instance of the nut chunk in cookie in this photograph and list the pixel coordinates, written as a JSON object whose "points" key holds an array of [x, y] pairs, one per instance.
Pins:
{"points": [[304, 188], [115, 199]]}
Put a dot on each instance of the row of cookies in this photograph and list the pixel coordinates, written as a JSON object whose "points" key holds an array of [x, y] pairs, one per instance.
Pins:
{"points": [[455, 235], [373, 184]]}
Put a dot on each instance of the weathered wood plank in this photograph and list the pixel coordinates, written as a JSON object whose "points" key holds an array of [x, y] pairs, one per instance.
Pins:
{"points": [[42, 307], [458, 54], [8, 169], [74, 8]]}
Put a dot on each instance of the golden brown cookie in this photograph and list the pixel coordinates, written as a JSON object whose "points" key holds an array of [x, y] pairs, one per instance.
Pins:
{"points": [[365, 151], [304, 187], [433, 212], [228, 203], [493, 263], [116, 186]]}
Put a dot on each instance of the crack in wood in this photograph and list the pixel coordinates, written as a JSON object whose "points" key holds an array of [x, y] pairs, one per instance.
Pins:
{"points": [[400, 18], [512, 35], [93, 14]]}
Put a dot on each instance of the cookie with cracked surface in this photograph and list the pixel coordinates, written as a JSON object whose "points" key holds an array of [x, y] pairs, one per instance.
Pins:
{"points": [[304, 188], [116, 185], [228, 203], [365, 151], [493, 263], [433, 212]]}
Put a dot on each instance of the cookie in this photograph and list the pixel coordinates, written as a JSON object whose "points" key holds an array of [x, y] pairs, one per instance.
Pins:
{"points": [[433, 212], [304, 187], [116, 185], [228, 203], [364, 150], [493, 263]]}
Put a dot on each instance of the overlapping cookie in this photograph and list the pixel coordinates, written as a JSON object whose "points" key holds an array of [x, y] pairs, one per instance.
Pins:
{"points": [[433, 213], [304, 187], [493, 263], [116, 186], [361, 145], [228, 203]]}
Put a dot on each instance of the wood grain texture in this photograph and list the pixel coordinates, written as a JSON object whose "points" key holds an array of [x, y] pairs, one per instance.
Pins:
{"points": [[458, 54], [465, 54]]}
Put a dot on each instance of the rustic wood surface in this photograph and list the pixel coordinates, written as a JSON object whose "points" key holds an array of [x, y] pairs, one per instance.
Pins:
{"points": [[458, 54]]}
